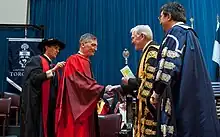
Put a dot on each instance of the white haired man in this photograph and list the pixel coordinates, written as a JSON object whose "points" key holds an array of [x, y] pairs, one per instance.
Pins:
{"points": [[145, 112]]}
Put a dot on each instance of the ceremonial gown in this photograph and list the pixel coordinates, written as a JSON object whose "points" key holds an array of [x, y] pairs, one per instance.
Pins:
{"points": [[187, 107], [38, 99], [145, 123], [79, 93]]}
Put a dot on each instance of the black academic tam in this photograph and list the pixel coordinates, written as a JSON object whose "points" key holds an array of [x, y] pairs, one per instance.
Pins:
{"points": [[51, 42]]}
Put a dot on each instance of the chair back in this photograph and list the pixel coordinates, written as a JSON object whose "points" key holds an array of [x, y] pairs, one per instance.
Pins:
{"points": [[110, 124], [5, 104], [15, 99]]}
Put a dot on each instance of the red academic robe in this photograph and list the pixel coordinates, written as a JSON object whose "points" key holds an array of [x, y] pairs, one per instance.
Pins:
{"points": [[45, 96], [77, 99]]}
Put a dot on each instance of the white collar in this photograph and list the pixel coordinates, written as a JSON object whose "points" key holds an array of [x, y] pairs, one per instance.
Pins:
{"points": [[178, 23], [80, 52], [83, 55], [47, 57], [146, 45]]}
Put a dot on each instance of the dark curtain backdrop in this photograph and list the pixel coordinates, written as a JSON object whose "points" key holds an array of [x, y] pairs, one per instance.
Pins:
{"points": [[111, 21]]}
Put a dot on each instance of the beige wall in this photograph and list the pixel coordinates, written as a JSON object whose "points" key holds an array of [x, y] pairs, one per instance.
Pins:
{"points": [[13, 11]]}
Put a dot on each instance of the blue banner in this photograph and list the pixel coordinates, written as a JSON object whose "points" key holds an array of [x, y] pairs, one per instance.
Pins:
{"points": [[19, 52]]}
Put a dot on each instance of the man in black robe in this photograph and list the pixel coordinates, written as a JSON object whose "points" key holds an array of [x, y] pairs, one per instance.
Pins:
{"points": [[40, 85]]}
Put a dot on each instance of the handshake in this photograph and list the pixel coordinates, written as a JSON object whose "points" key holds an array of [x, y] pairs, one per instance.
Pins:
{"points": [[109, 89]]}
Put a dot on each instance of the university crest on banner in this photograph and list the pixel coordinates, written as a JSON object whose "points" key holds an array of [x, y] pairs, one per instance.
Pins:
{"points": [[20, 50]]}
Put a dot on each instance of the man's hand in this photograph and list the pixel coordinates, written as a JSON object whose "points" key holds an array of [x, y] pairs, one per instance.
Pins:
{"points": [[124, 80], [110, 89], [59, 65]]}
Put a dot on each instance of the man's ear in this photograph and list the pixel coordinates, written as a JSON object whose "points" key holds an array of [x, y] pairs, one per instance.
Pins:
{"points": [[46, 47], [169, 16], [143, 36]]}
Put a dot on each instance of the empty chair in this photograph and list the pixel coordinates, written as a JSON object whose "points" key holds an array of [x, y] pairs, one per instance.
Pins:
{"points": [[15, 104], [110, 125], [5, 104]]}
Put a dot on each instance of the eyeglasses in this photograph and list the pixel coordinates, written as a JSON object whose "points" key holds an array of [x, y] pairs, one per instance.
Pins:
{"points": [[163, 14]]}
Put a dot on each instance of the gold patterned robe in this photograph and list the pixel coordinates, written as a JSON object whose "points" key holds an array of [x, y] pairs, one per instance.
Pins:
{"points": [[145, 124], [145, 113]]}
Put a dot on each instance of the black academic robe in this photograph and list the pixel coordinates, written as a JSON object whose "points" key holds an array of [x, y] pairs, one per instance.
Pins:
{"points": [[38, 99], [145, 113]]}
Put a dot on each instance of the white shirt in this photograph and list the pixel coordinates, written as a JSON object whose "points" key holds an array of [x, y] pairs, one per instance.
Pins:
{"points": [[49, 73], [47, 57], [178, 23], [80, 52]]}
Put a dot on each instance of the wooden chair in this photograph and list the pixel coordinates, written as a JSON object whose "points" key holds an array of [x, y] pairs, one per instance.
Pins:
{"points": [[15, 104], [110, 125], [5, 104], [216, 90]]}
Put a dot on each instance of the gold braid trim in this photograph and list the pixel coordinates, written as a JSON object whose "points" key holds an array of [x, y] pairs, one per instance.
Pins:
{"points": [[168, 107], [167, 129], [150, 132], [150, 123], [139, 117], [150, 69], [145, 77], [142, 92]]}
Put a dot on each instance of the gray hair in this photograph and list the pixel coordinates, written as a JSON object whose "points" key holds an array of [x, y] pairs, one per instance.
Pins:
{"points": [[143, 29], [87, 37]]}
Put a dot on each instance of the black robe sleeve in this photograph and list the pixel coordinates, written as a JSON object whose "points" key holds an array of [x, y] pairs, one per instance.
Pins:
{"points": [[133, 84], [34, 72]]}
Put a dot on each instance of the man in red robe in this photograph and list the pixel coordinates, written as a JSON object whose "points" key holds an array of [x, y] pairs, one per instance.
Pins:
{"points": [[39, 90], [79, 93]]}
